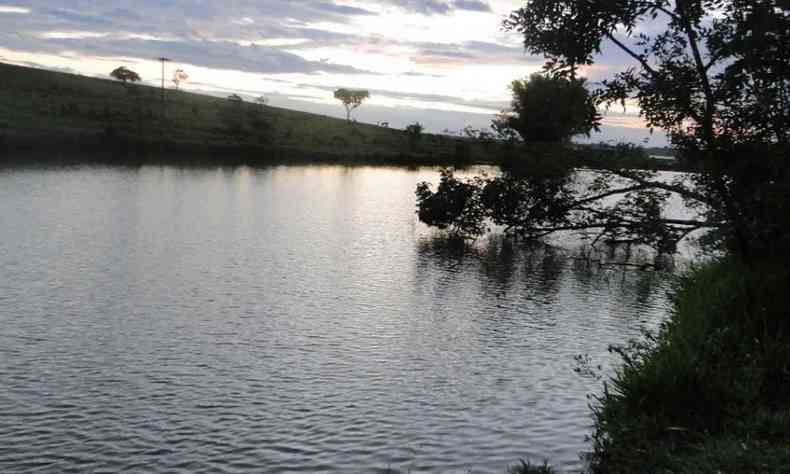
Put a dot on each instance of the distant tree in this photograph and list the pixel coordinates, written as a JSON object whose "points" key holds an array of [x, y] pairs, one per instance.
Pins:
{"points": [[262, 101], [485, 137], [414, 132], [351, 99], [550, 108], [179, 77], [125, 75], [235, 98]]}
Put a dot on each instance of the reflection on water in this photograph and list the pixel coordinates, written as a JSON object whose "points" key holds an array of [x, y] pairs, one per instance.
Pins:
{"points": [[289, 319]]}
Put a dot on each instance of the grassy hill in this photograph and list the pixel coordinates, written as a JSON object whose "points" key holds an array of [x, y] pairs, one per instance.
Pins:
{"points": [[50, 111]]}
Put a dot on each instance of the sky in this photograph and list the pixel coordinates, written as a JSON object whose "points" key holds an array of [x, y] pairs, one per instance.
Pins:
{"points": [[444, 63]]}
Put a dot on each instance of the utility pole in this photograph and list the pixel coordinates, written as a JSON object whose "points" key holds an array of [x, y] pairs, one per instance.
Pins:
{"points": [[163, 60]]}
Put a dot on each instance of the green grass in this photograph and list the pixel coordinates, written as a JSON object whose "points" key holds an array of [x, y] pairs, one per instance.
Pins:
{"points": [[39, 107], [710, 392]]}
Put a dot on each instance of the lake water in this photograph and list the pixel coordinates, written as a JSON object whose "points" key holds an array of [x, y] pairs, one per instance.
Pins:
{"points": [[283, 320]]}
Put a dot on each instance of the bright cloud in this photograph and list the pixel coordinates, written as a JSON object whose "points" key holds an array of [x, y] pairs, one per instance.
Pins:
{"points": [[14, 10]]}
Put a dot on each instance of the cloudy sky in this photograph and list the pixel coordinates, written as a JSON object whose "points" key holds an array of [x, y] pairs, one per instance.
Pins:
{"points": [[445, 63]]}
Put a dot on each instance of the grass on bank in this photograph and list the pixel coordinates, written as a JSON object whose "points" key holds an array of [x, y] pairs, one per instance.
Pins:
{"points": [[36, 104], [46, 111], [711, 392]]}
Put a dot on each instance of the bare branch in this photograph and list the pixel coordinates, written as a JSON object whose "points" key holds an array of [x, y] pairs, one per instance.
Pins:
{"points": [[615, 192], [674, 188], [633, 54], [670, 13]]}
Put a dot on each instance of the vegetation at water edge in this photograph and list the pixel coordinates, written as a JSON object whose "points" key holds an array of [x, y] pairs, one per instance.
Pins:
{"points": [[711, 391]]}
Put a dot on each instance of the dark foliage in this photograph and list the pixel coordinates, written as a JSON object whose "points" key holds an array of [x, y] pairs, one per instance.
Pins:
{"points": [[125, 75], [455, 205], [539, 195], [551, 108], [243, 121], [414, 133], [716, 77], [717, 374]]}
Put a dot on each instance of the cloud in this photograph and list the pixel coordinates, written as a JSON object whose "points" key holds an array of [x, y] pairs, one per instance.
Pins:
{"points": [[477, 52], [441, 7], [433, 54], [426, 7], [472, 5], [342, 9], [212, 54], [14, 10]]}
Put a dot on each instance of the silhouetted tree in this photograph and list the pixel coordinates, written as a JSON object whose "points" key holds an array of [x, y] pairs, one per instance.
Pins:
{"points": [[551, 108], [125, 75], [351, 99], [714, 74], [414, 133]]}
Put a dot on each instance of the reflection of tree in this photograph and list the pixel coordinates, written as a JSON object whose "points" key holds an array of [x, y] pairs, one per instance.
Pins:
{"points": [[543, 268], [498, 264], [494, 264], [531, 279], [629, 285], [446, 253]]}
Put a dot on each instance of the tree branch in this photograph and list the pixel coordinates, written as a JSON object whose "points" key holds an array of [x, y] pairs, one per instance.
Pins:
{"points": [[634, 55], [669, 13], [615, 192], [677, 189], [710, 105]]}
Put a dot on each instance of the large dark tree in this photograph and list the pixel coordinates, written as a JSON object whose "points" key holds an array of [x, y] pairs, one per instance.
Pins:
{"points": [[714, 75], [548, 108], [714, 68]]}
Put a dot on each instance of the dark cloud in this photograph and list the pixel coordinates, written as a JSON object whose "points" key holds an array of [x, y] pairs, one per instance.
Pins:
{"points": [[426, 7], [441, 7], [342, 9], [477, 52], [202, 33], [76, 18], [472, 5], [212, 54]]}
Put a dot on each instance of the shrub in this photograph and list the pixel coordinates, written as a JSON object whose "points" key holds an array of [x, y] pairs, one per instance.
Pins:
{"points": [[527, 468], [722, 357]]}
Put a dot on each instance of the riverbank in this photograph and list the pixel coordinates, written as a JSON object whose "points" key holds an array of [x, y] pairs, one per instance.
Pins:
{"points": [[46, 112], [125, 151], [48, 116], [711, 391]]}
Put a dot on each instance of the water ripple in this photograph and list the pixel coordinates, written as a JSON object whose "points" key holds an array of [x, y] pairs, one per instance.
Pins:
{"points": [[286, 320]]}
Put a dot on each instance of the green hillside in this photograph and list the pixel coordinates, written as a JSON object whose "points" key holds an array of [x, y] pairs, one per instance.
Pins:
{"points": [[42, 110]]}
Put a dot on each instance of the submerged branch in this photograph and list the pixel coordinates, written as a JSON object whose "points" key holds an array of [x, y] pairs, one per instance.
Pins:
{"points": [[648, 184]]}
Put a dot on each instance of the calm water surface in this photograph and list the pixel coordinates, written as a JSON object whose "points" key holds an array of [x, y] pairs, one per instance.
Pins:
{"points": [[282, 320]]}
